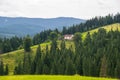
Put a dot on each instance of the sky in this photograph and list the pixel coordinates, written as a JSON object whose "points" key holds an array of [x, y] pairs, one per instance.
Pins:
{"points": [[84, 9]]}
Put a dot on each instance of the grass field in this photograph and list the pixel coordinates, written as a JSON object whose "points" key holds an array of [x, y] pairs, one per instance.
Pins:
{"points": [[107, 28], [50, 77], [13, 58]]}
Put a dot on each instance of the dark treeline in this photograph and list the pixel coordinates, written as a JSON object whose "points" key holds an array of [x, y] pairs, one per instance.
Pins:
{"points": [[92, 23], [10, 44], [3, 69], [14, 43], [97, 55]]}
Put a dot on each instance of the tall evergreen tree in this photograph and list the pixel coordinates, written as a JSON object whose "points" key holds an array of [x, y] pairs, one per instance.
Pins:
{"points": [[103, 70], [6, 70], [70, 67], [27, 44], [1, 68], [117, 70], [27, 63], [36, 60]]}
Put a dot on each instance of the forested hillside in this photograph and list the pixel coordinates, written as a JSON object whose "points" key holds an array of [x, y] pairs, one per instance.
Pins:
{"points": [[6, 44], [92, 57], [60, 58], [92, 24], [92, 52]]}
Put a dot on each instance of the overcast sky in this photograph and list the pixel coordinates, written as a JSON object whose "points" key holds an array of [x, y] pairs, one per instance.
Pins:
{"points": [[84, 9]]}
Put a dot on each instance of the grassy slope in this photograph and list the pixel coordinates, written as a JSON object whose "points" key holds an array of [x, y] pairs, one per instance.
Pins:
{"points": [[51, 77], [108, 28], [12, 58]]}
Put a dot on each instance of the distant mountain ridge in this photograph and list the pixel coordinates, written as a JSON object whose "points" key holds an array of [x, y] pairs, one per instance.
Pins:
{"points": [[20, 26]]}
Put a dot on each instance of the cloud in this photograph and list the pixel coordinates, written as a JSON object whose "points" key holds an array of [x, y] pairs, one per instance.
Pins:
{"points": [[55, 8]]}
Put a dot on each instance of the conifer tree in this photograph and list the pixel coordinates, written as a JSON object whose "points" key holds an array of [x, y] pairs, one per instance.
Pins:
{"points": [[6, 70], [27, 44], [27, 63], [103, 68], [70, 67], [117, 70], [36, 60], [1, 68]]}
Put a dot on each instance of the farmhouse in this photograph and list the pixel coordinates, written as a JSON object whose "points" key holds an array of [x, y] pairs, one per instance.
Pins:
{"points": [[68, 36]]}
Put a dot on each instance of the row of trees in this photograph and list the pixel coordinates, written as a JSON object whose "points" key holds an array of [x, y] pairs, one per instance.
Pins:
{"points": [[97, 55], [10, 44], [14, 43], [3, 71], [92, 23]]}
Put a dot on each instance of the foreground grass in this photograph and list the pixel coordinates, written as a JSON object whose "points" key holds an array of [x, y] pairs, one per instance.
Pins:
{"points": [[50, 77]]}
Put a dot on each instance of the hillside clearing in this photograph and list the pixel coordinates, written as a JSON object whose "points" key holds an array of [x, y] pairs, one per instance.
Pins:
{"points": [[107, 28]]}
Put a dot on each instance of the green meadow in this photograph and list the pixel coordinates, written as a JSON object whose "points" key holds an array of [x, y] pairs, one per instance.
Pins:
{"points": [[50, 77], [107, 28]]}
